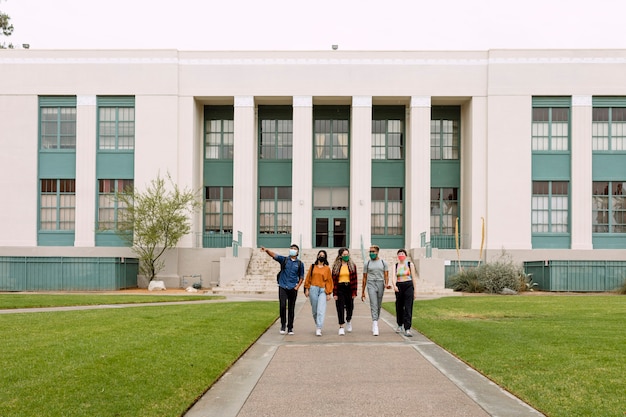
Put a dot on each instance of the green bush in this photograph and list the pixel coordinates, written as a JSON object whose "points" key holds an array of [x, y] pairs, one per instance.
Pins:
{"points": [[491, 277]]}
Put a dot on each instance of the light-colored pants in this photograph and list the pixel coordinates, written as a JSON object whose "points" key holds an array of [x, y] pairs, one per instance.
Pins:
{"points": [[375, 291], [317, 295]]}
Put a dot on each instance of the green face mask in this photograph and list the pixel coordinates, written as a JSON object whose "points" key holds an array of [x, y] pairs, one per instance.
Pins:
{"points": [[373, 256], [345, 258]]}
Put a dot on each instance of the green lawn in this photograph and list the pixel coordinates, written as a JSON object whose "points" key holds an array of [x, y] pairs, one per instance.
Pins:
{"points": [[11, 301], [564, 355], [143, 361]]}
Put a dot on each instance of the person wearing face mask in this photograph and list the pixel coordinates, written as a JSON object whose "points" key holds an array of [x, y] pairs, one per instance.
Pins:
{"points": [[404, 280], [375, 280], [318, 286], [344, 289], [289, 280]]}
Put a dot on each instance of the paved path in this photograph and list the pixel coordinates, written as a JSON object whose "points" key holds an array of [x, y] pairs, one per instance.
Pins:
{"points": [[352, 375]]}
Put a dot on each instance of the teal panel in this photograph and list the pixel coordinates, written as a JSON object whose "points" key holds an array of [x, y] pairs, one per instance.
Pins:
{"points": [[551, 241], [275, 112], [57, 101], [445, 173], [115, 165], [56, 238], [219, 112], [331, 173], [218, 173], [606, 241], [57, 165], [388, 174], [607, 167], [388, 112], [275, 173], [540, 274], [552, 101], [445, 112], [109, 238], [116, 101], [331, 112], [444, 241], [274, 241], [217, 240], [609, 101], [388, 242], [67, 273], [555, 167]]}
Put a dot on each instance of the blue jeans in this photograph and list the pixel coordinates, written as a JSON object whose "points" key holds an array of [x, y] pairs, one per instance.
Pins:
{"points": [[317, 295]]}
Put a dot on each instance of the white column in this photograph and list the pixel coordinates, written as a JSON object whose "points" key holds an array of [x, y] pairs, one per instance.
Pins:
{"points": [[361, 172], [244, 171], [302, 172], [417, 204], [474, 173], [86, 191], [188, 166], [580, 186]]}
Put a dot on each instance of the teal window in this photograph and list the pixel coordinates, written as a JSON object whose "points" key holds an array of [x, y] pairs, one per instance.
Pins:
{"points": [[111, 211], [116, 123], [57, 204], [218, 210], [550, 207], [609, 129], [276, 139], [387, 211], [387, 139], [219, 138], [58, 127], [550, 129], [275, 210], [444, 211], [331, 139], [445, 136], [609, 208]]}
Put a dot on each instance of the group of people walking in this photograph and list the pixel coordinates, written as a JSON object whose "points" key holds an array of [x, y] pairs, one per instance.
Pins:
{"points": [[340, 280]]}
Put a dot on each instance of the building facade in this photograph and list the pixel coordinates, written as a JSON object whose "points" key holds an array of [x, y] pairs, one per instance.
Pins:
{"points": [[521, 150]]}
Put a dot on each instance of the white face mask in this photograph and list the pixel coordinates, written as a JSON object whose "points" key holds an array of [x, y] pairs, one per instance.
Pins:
{"points": [[293, 252]]}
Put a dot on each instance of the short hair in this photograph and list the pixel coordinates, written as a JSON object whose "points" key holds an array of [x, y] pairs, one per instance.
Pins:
{"points": [[401, 251], [293, 245], [376, 248]]}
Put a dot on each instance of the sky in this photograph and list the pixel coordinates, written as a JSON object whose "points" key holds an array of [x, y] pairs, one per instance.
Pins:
{"points": [[316, 24]]}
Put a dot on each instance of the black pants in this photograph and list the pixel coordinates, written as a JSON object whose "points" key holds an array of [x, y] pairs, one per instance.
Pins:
{"points": [[344, 303], [404, 304], [287, 301]]}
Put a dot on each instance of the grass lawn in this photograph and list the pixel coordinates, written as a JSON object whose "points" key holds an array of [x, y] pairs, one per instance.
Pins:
{"points": [[144, 361], [564, 355], [10, 301]]}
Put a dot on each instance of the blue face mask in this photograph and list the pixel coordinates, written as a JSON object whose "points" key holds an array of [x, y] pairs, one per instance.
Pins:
{"points": [[293, 252]]}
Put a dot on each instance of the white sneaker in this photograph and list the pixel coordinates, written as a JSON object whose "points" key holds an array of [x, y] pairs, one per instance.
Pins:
{"points": [[290, 332], [348, 327], [399, 329], [318, 332], [342, 332], [375, 328], [282, 331], [408, 333]]}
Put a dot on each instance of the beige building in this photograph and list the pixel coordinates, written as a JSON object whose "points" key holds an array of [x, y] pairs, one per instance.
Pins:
{"points": [[521, 150]]}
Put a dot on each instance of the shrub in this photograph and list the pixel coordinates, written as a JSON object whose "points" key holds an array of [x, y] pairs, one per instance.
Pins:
{"points": [[467, 281], [491, 277]]}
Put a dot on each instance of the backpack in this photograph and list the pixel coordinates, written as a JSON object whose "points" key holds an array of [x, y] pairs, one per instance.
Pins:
{"points": [[282, 268]]}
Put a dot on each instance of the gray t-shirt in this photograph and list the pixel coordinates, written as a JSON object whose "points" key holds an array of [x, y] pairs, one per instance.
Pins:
{"points": [[375, 270]]}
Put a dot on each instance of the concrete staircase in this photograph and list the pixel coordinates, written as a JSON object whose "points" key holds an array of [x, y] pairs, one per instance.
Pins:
{"points": [[261, 273]]}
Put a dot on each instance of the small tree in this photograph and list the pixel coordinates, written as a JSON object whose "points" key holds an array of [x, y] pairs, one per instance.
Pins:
{"points": [[155, 220], [6, 29]]}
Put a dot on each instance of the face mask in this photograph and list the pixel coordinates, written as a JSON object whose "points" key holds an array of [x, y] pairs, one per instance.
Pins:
{"points": [[293, 252], [321, 259], [345, 258], [373, 256], [401, 257]]}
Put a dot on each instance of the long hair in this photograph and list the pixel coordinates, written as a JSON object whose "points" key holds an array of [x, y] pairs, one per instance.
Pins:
{"points": [[325, 255], [337, 263]]}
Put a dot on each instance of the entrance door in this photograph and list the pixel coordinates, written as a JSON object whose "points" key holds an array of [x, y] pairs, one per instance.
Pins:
{"points": [[331, 232]]}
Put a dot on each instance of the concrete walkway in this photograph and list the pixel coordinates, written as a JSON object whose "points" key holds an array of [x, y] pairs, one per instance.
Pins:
{"points": [[352, 375]]}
